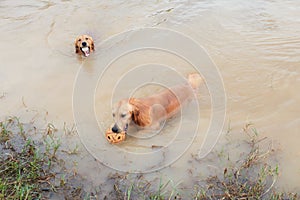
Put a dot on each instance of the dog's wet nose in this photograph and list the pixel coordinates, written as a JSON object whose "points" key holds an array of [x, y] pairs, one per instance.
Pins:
{"points": [[84, 44], [115, 128]]}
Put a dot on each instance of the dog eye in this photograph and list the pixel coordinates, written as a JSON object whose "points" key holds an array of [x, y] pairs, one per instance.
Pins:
{"points": [[79, 40], [87, 38], [123, 115]]}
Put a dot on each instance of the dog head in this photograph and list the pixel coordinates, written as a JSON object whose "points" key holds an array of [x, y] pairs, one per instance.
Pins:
{"points": [[122, 115], [84, 45], [126, 111]]}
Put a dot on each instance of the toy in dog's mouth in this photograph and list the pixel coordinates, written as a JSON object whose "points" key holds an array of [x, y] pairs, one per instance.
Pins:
{"points": [[115, 138], [85, 51]]}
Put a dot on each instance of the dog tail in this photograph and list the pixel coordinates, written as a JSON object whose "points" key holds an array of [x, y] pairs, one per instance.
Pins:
{"points": [[195, 80]]}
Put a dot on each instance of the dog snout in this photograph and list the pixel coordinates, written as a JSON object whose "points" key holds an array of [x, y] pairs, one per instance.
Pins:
{"points": [[84, 44], [115, 128]]}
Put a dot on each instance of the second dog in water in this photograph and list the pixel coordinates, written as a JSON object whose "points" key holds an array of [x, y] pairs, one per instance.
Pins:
{"points": [[84, 45]]}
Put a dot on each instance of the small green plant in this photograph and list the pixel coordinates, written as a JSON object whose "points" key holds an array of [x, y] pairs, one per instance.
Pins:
{"points": [[163, 192], [4, 132], [50, 129], [63, 180], [129, 191], [52, 145], [73, 151], [159, 195]]}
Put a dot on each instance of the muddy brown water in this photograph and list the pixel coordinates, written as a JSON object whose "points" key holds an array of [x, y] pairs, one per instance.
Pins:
{"points": [[254, 44]]}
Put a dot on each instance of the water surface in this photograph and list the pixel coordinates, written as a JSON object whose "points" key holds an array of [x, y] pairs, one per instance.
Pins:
{"points": [[255, 44]]}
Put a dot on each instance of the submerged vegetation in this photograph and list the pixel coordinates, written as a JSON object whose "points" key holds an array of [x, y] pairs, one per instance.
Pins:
{"points": [[30, 168], [249, 177]]}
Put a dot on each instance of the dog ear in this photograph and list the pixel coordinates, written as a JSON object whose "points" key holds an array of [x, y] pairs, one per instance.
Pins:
{"points": [[140, 112], [134, 111], [92, 46], [76, 48]]}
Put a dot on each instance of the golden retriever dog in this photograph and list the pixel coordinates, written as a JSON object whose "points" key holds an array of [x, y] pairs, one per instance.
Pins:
{"points": [[84, 45], [150, 111]]}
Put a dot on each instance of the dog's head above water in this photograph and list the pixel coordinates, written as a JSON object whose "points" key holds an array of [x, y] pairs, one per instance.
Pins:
{"points": [[84, 45]]}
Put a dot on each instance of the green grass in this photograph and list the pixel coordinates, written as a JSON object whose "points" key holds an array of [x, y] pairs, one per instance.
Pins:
{"points": [[4, 132], [25, 167], [21, 173]]}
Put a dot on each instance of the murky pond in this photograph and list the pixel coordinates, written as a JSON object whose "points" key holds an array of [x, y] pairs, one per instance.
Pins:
{"points": [[254, 44]]}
